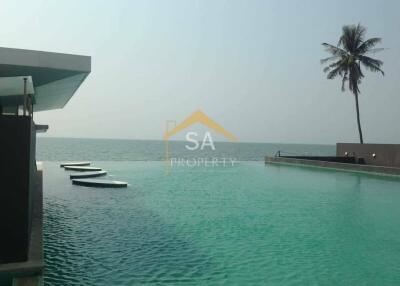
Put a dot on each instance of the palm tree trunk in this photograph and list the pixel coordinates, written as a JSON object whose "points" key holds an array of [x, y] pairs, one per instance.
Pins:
{"points": [[358, 119]]}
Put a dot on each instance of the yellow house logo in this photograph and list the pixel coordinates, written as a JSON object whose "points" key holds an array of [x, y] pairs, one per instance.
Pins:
{"points": [[195, 118], [199, 117]]}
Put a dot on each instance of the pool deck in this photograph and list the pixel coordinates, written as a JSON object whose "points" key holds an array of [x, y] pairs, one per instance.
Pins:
{"points": [[381, 170], [29, 273]]}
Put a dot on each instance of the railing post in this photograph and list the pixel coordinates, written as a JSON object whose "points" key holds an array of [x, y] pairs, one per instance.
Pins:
{"points": [[25, 79]]}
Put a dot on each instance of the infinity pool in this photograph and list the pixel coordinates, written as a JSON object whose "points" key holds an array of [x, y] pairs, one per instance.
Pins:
{"points": [[249, 224]]}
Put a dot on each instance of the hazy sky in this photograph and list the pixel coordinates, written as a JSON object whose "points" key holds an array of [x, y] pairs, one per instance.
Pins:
{"points": [[253, 66]]}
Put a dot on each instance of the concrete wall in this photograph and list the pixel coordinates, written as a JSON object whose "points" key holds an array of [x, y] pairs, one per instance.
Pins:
{"points": [[17, 167], [386, 154], [29, 272], [350, 160]]}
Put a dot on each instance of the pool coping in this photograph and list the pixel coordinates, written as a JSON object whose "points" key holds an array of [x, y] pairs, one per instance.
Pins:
{"points": [[349, 167]]}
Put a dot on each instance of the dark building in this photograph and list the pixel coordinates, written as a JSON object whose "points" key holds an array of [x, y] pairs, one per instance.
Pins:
{"points": [[30, 81]]}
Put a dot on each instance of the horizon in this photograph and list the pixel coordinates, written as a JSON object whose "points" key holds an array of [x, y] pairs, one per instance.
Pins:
{"points": [[181, 140], [253, 66]]}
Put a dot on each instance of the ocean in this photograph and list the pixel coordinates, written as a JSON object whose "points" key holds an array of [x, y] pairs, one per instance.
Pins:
{"points": [[68, 149]]}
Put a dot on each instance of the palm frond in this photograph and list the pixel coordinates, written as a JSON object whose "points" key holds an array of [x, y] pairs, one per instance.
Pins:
{"points": [[335, 51], [359, 36], [366, 59], [360, 73], [332, 58], [373, 65], [355, 76], [352, 37], [374, 51], [368, 44], [335, 72], [334, 65], [344, 79]]}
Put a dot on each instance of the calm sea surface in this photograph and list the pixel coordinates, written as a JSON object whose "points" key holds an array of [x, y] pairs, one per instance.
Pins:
{"points": [[60, 149], [247, 224]]}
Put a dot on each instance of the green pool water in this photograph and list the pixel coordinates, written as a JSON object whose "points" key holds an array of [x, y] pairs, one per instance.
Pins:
{"points": [[249, 224]]}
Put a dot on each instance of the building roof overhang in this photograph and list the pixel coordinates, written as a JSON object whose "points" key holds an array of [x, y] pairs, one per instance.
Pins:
{"points": [[55, 76]]}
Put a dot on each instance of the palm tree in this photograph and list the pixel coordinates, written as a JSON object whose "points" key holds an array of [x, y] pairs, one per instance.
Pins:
{"points": [[348, 56]]}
